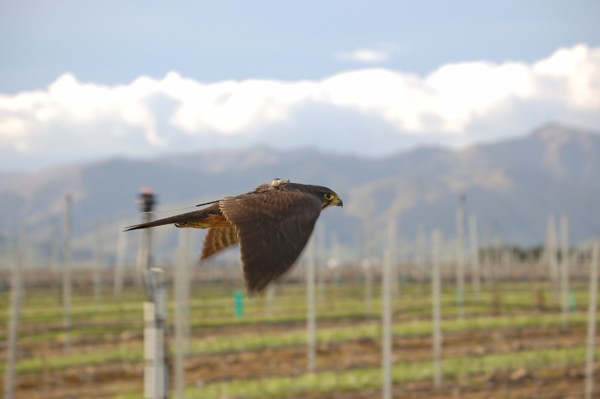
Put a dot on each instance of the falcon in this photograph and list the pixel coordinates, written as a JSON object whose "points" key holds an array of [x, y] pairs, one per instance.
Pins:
{"points": [[272, 224]]}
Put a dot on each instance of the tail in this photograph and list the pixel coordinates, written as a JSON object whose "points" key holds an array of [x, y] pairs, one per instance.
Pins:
{"points": [[177, 219]]}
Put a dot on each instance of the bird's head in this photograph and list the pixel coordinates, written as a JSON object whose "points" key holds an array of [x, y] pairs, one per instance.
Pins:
{"points": [[328, 197]]}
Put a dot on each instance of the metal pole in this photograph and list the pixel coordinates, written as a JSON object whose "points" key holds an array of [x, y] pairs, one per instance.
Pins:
{"points": [[564, 285], [475, 269], [388, 287], [182, 286], [13, 324], [436, 284], [551, 254], [392, 241], [368, 265], [592, 315], [97, 262], [66, 278], [420, 257], [53, 260], [156, 370], [310, 308], [386, 346], [460, 259], [119, 265]]}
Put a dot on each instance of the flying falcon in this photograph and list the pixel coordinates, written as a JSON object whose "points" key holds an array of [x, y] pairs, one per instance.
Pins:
{"points": [[272, 224]]}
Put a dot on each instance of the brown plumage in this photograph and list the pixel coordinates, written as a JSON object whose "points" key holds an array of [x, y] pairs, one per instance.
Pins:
{"points": [[272, 224]]}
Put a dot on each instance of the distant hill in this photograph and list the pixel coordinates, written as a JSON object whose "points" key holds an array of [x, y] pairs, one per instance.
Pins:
{"points": [[512, 187]]}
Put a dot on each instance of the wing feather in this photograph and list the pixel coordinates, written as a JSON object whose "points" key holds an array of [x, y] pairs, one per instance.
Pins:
{"points": [[273, 228], [217, 239]]}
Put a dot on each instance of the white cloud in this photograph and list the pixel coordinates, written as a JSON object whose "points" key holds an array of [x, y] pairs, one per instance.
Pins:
{"points": [[365, 55], [456, 103]]}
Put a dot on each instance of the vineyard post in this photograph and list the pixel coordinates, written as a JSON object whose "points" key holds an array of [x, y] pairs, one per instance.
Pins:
{"points": [[66, 277], [13, 323], [53, 260], [119, 265], [97, 267], [310, 307], [551, 254], [591, 330], [155, 356], [388, 276], [460, 259], [436, 239], [181, 290], [564, 285], [387, 324], [474, 246]]}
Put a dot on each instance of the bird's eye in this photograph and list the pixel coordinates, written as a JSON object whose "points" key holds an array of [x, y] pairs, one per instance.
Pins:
{"points": [[328, 196]]}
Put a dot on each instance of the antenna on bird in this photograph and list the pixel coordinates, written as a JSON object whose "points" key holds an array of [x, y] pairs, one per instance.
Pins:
{"points": [[207, 203]]}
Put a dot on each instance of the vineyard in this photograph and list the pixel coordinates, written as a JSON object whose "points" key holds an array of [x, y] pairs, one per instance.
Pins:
{"points": [[510, 339]]}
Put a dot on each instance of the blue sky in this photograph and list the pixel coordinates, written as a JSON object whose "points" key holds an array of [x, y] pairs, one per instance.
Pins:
{"points": [[119, 74]]}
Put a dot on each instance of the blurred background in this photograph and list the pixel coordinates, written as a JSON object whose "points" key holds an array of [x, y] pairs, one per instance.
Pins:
{"points": [[477, 121]]}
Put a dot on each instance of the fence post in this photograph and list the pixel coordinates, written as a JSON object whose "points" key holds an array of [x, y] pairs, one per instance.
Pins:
{"points": [[551, 254], [387, 276], [474, 246], [155, 355], [310, 307], [97, 267], [436, 299], [120, 265], [564, 281], [66, 277], [181, 289], [591, 330], [13, 324], [460, 259]]}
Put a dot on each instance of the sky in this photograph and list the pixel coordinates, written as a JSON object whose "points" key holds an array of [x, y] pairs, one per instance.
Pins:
{"points": [[82, 81]]}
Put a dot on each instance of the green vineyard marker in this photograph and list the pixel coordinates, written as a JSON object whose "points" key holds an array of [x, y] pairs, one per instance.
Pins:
{"points": [[238, 303]]}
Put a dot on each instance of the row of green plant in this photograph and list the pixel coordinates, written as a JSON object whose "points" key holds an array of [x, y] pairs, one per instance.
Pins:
{"points": [[261, 340], [42, 316], [357, 379]]}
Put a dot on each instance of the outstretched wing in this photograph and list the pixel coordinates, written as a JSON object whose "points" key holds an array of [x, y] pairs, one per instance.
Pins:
{"points": [[273, 227]]}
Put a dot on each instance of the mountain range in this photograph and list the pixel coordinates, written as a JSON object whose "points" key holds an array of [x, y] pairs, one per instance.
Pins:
{"points": [[511, 186]]}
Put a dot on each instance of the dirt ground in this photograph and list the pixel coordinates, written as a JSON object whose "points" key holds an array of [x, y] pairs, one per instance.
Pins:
{"points": [[109, 380]]}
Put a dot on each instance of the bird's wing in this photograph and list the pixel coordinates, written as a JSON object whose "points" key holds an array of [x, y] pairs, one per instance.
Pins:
{"points": [[217, 239], [273, 227]]}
